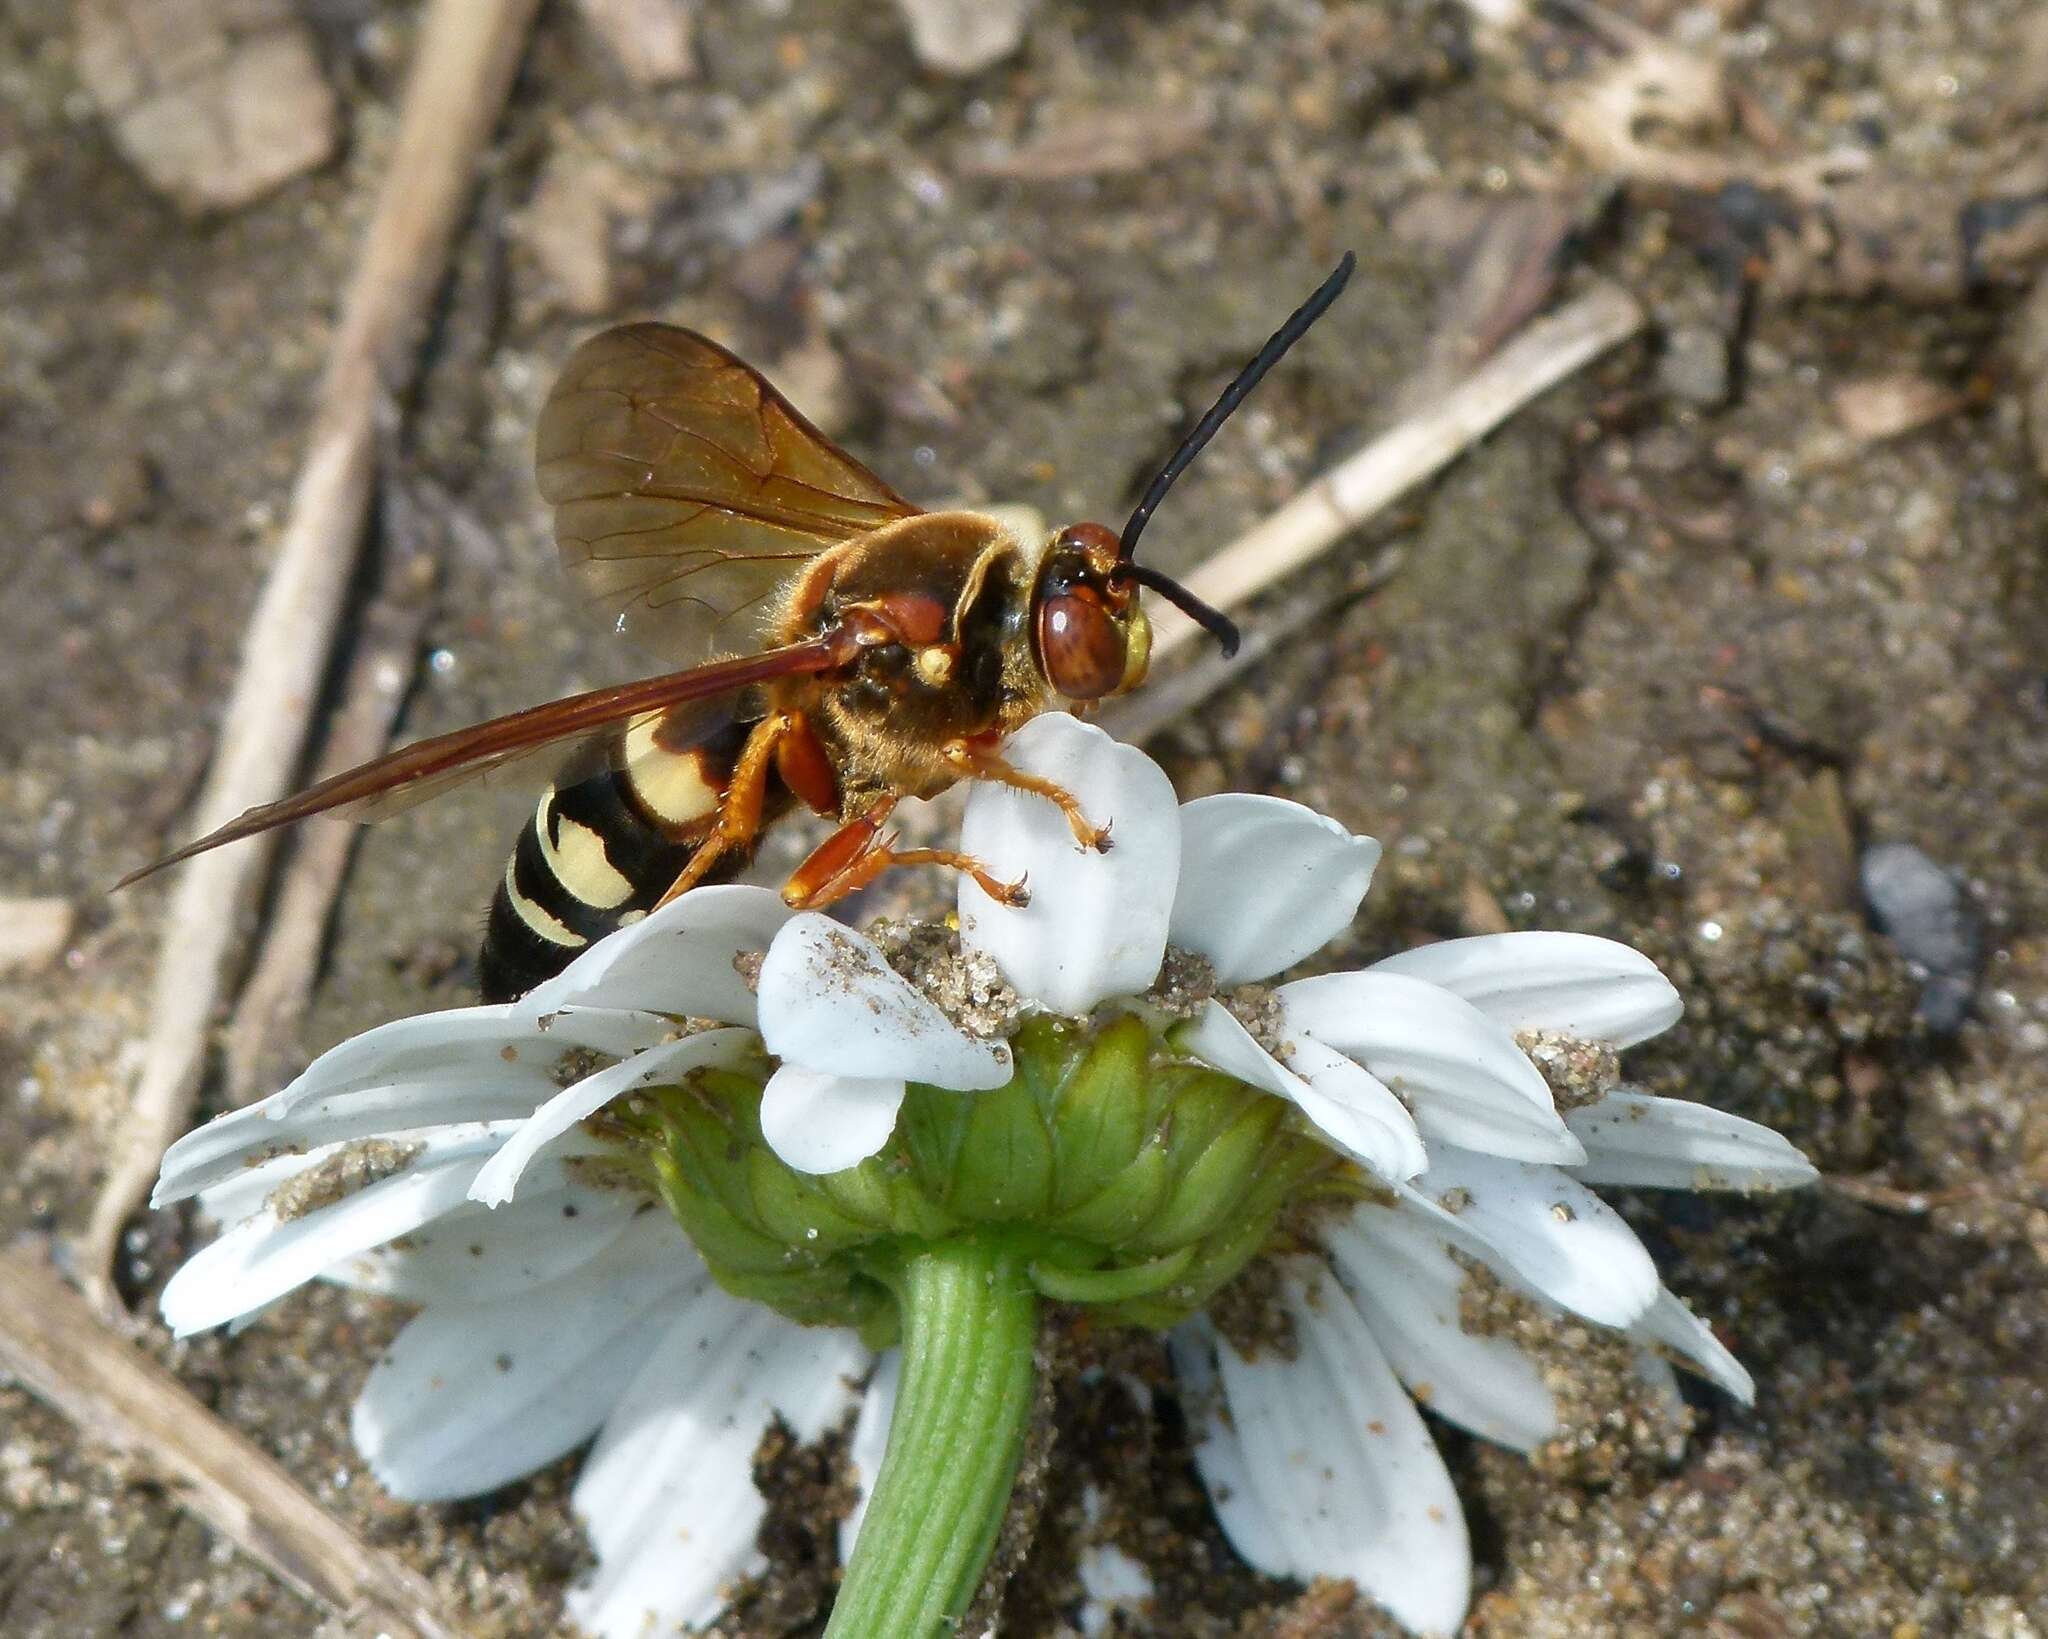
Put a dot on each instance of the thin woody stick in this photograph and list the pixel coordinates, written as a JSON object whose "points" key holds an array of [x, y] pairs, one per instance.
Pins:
{"points": [[51, 1341], [463, 68], [1547, 351], [280, 983]]}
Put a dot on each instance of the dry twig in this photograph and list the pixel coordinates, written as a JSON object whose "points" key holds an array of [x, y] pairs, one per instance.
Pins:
{"points": [[51, 1342], [386, 650], [1414, 449], [467, 52]]}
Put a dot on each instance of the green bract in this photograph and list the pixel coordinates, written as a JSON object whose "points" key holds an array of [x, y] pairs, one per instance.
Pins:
{"points": [[1130, 1178]]}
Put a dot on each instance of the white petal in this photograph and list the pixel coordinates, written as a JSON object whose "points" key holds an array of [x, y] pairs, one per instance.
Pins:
{"points": [[831, 1001], [1357, 1115], [668, 1494], [1597, 988], [419, 1050], [819, 1122], [677, 961], [1341, 1465], [1096, 924], [1557, 1236], [471, 1396], [1461, 1073], [1669, 1322], [1409, 1288], [1672, 1143], [869, 1443], [1260, 1538], [668, 1062], [262, 1258], [1366, 1105], [469, 1064], [1264, 882], [477, 1255]]}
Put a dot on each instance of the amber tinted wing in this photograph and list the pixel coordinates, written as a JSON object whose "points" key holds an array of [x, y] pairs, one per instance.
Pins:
{"points": [[567, 760], [687, 490], [391, 783]]}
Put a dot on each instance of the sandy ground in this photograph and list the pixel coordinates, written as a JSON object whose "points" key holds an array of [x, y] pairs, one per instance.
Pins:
{"points": [[1663, 660]]}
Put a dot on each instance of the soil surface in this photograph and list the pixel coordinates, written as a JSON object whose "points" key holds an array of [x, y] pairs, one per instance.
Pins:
{"points": [[1664, 659]]}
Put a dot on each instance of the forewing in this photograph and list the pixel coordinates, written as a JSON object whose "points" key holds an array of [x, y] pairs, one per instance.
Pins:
{"points": [[566, 761], [388, 784], [687, 490]]}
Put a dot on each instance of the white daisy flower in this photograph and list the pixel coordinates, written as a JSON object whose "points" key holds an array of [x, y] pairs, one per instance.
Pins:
{"points": [[506, 1168]]}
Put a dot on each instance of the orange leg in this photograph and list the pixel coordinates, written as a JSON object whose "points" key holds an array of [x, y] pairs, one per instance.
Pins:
{"points": [[979, 762], [855, 854], [739, 810]]}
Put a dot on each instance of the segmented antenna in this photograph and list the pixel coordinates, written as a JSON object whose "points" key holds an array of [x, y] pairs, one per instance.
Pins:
{"points": [[1211, 620], [1233, 395]]}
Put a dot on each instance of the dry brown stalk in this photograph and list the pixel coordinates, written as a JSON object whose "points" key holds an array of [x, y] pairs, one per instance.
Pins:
{"points": [[462, 70], [56, 1347], [1416, 448]]}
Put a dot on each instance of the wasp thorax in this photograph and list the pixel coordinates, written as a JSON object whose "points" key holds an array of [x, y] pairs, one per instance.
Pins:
{"points": [[1138, 1180]]}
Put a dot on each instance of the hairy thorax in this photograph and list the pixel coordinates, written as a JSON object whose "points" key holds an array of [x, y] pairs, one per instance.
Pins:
{"points": [[953, 590]]}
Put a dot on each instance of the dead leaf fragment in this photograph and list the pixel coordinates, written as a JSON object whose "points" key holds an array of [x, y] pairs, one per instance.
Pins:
{"points": [[653, 41], [1096, 142], [964, 36], [1882, 407], [215, 102], [567, 225]]}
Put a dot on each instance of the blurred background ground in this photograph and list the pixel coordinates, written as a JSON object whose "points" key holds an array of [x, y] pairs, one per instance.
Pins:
{"points": [[1666, 659]]}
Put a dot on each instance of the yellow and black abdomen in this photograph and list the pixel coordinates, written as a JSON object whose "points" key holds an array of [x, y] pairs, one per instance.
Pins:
{"points": [[607, 839]]}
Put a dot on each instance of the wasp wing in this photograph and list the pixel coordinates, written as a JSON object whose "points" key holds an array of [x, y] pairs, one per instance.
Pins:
{"points": [[688, 491], [393, 782], [600, 750]]}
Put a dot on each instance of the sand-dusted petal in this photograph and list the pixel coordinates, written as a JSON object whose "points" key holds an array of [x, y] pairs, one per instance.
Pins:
{"points": [[1459, 1071], [471, 1396], [1409, 1289], [830, 1001], [667, 1495], [1642, 1142]]}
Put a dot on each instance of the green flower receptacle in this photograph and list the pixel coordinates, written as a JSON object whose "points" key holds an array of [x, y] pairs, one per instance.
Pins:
{"points": [[1131, 1179]]}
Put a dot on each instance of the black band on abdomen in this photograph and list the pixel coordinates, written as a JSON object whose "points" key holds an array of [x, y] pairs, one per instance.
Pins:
{"points": [[598, 855]]}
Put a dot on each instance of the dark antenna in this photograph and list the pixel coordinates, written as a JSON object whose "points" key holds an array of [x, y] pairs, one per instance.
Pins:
{"points": [[1214, 621]]}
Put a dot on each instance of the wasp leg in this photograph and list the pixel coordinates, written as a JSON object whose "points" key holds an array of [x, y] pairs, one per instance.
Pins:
{"points": [[855, 854], [982, 762], [739, 809]]}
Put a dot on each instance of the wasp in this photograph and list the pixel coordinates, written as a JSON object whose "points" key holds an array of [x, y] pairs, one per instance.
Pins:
{"points": [[838, 650]]}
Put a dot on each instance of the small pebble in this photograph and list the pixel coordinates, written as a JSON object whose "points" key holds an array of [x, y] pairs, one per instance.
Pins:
{"points": [[1694, 366], [1922, 907]]}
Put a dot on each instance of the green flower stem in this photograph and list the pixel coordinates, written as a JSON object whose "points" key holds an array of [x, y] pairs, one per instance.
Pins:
{"points": [[970, 1323]]}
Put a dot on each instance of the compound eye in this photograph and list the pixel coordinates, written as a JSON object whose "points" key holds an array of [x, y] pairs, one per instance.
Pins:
{"points": [[1081, 645]]}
